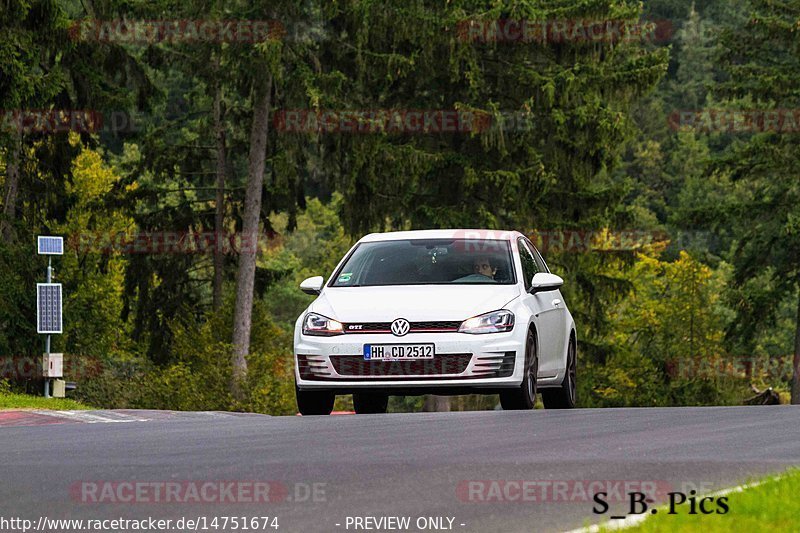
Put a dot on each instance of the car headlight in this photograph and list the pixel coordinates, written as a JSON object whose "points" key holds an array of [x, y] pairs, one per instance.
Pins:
{"points": [[322, 326], [494, 322]]}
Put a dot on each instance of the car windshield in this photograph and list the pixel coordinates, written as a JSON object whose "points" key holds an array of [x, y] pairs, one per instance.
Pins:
{"points": [[427, 262]]}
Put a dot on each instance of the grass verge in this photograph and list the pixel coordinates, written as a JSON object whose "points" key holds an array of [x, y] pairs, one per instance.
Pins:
{"points": [[11, 400]]}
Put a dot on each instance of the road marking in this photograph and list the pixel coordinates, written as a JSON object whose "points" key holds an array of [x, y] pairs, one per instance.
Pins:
{"points": [[26, 418], [39, 417], [635, 520], [88, 417]]}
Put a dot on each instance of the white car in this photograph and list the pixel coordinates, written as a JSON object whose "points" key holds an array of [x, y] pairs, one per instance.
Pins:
{"points": [[436, 312]]}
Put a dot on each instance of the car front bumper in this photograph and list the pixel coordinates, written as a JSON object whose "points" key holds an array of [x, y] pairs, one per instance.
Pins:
{"points": [[461, 362]]}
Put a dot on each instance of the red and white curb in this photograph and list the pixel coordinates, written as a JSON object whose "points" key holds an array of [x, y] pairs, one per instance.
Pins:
{"points": [[44, 417], [94, 417], [17, 418]]}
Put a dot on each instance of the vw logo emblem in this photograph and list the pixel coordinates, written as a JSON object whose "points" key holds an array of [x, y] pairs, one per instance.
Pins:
{"points": [[400, 327]]}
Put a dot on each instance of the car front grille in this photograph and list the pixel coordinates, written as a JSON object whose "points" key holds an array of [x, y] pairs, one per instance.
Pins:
{"points": [[442, 366], [436, 326], [356, 366]]}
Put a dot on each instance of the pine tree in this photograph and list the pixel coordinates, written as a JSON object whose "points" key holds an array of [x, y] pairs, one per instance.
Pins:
{"points": [[762, 62]]}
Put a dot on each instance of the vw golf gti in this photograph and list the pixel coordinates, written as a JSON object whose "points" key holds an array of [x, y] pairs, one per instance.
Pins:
{"points": [[436, 312]]}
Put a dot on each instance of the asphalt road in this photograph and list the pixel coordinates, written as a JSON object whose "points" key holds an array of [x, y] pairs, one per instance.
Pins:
{"points": [[405, 465]]}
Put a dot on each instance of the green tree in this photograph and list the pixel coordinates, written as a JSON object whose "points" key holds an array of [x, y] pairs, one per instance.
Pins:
{"points": [[93, 270], [762, 63], [44, 70], [694, 73]]}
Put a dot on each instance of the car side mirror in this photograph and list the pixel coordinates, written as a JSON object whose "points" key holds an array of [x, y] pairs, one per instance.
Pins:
{"points": [[312, 285], [543, 282]]}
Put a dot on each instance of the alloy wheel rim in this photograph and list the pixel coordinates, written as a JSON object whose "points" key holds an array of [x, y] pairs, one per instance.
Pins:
{"points": [[572, 372], [532, 376]]}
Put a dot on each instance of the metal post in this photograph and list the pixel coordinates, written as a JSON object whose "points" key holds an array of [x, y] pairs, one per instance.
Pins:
{"points": [[47, 340], [47, 380]]}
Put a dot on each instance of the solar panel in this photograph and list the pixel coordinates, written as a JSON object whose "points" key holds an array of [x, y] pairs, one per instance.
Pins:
{"points": [[51, 246], [48, 307]]}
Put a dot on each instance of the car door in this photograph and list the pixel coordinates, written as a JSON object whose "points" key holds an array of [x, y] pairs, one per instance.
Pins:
{"points": [[549, 311], [560, 308]]}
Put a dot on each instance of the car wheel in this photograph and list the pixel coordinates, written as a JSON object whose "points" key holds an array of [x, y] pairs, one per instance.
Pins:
{"points": [[524, 396], [314, 402], [370, 403], [564, 396]]}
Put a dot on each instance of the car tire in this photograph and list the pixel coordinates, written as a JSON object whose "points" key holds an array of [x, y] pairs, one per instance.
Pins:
{"points": [[370, 403], [311, 403], [524, 396], [564, 396]]}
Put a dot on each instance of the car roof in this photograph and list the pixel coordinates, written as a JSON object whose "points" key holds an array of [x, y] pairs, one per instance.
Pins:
{"points": [[474, 234]]}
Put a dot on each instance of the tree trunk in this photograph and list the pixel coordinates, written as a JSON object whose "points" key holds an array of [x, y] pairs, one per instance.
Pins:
{"points": [[219, 215], [245, 278], [436, 403], [796, 358], [11, 189]]}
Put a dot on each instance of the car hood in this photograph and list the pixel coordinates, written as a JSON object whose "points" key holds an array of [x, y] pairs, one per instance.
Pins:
{"points": [[415, 303]]}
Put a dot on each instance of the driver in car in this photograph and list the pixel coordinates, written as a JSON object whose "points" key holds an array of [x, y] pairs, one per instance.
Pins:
{"points": [[484, 267]]}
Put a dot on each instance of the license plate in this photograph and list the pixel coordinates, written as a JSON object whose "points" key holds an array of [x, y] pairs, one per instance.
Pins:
{"points": [[397, 352]]}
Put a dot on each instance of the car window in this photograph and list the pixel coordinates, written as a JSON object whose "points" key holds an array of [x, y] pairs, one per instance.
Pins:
{"points": [[427, 262], [540, 264], [529, 267]]}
